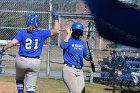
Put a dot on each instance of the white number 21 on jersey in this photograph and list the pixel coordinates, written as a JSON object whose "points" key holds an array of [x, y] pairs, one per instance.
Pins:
{"points": [[28, 44]]}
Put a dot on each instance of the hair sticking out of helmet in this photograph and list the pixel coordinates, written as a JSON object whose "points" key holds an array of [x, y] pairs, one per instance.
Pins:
{"points": [[30, 28], [77, 30], [33, 20]]}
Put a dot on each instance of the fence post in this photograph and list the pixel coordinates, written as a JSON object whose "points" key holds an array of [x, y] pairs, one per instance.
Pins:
{"points": [[49, 40]]}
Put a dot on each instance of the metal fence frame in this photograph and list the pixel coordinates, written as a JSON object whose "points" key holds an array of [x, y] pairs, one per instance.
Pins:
{"points": [[48, 60]]}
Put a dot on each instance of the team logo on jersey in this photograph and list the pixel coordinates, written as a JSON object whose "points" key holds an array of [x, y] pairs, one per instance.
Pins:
{"points": [[77, 46]]}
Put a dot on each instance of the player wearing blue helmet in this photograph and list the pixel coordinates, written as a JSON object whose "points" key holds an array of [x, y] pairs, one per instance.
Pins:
{"points": [[32, 20], [74, 50], [31, 43]]}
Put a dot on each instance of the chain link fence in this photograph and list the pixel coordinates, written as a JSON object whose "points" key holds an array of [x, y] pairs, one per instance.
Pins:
{"points": [[13, 16]]}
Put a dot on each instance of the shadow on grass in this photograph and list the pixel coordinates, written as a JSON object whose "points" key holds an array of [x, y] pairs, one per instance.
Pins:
{"points": [[121, 90], [129, 91]]}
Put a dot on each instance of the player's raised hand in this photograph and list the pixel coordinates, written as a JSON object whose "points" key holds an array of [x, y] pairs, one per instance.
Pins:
{"points": [[68, 29], [55, 15]]}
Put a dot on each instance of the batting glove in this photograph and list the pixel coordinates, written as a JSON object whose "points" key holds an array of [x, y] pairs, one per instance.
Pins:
{"points": [[55, 15], [2, 52]]}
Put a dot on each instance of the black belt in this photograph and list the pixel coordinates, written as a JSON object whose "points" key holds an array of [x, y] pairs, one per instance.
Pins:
{"points": [[30, 57], [75, 66]]}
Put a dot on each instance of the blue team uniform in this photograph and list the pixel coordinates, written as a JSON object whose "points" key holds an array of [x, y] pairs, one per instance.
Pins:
{"points": [[31, 43], [73, 51]]}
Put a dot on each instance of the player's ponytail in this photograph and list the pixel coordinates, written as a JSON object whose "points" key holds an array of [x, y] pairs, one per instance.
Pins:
{"points": [[30, 28]]}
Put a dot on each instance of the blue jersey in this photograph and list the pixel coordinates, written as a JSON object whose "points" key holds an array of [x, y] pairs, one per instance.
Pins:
{"points": [[31, 43], [74, 51]]}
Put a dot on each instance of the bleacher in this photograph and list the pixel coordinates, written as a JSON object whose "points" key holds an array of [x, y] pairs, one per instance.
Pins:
{"points": [[117, 70]]}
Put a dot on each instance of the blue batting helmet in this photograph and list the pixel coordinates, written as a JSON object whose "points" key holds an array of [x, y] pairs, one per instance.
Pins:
{"points": [[77, 25], [32, 20]]}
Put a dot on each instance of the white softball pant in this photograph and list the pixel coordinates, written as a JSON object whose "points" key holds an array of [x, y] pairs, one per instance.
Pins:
{"points": [[29, 68], [135, 76], [74, 79]]}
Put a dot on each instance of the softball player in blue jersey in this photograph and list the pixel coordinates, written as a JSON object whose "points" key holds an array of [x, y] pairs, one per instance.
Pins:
{"points": [[74, 50], [31, 42]]}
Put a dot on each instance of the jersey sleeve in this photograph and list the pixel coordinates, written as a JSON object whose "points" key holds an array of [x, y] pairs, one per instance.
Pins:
{"points": [[46, 33], [64, 44], [19, 36]]}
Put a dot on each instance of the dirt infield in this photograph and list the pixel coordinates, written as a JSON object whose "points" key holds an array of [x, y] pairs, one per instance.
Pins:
{"points": [[7, 87]]}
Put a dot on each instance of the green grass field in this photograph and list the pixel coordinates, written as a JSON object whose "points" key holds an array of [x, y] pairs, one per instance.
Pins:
{"points": [[45, 85]]}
